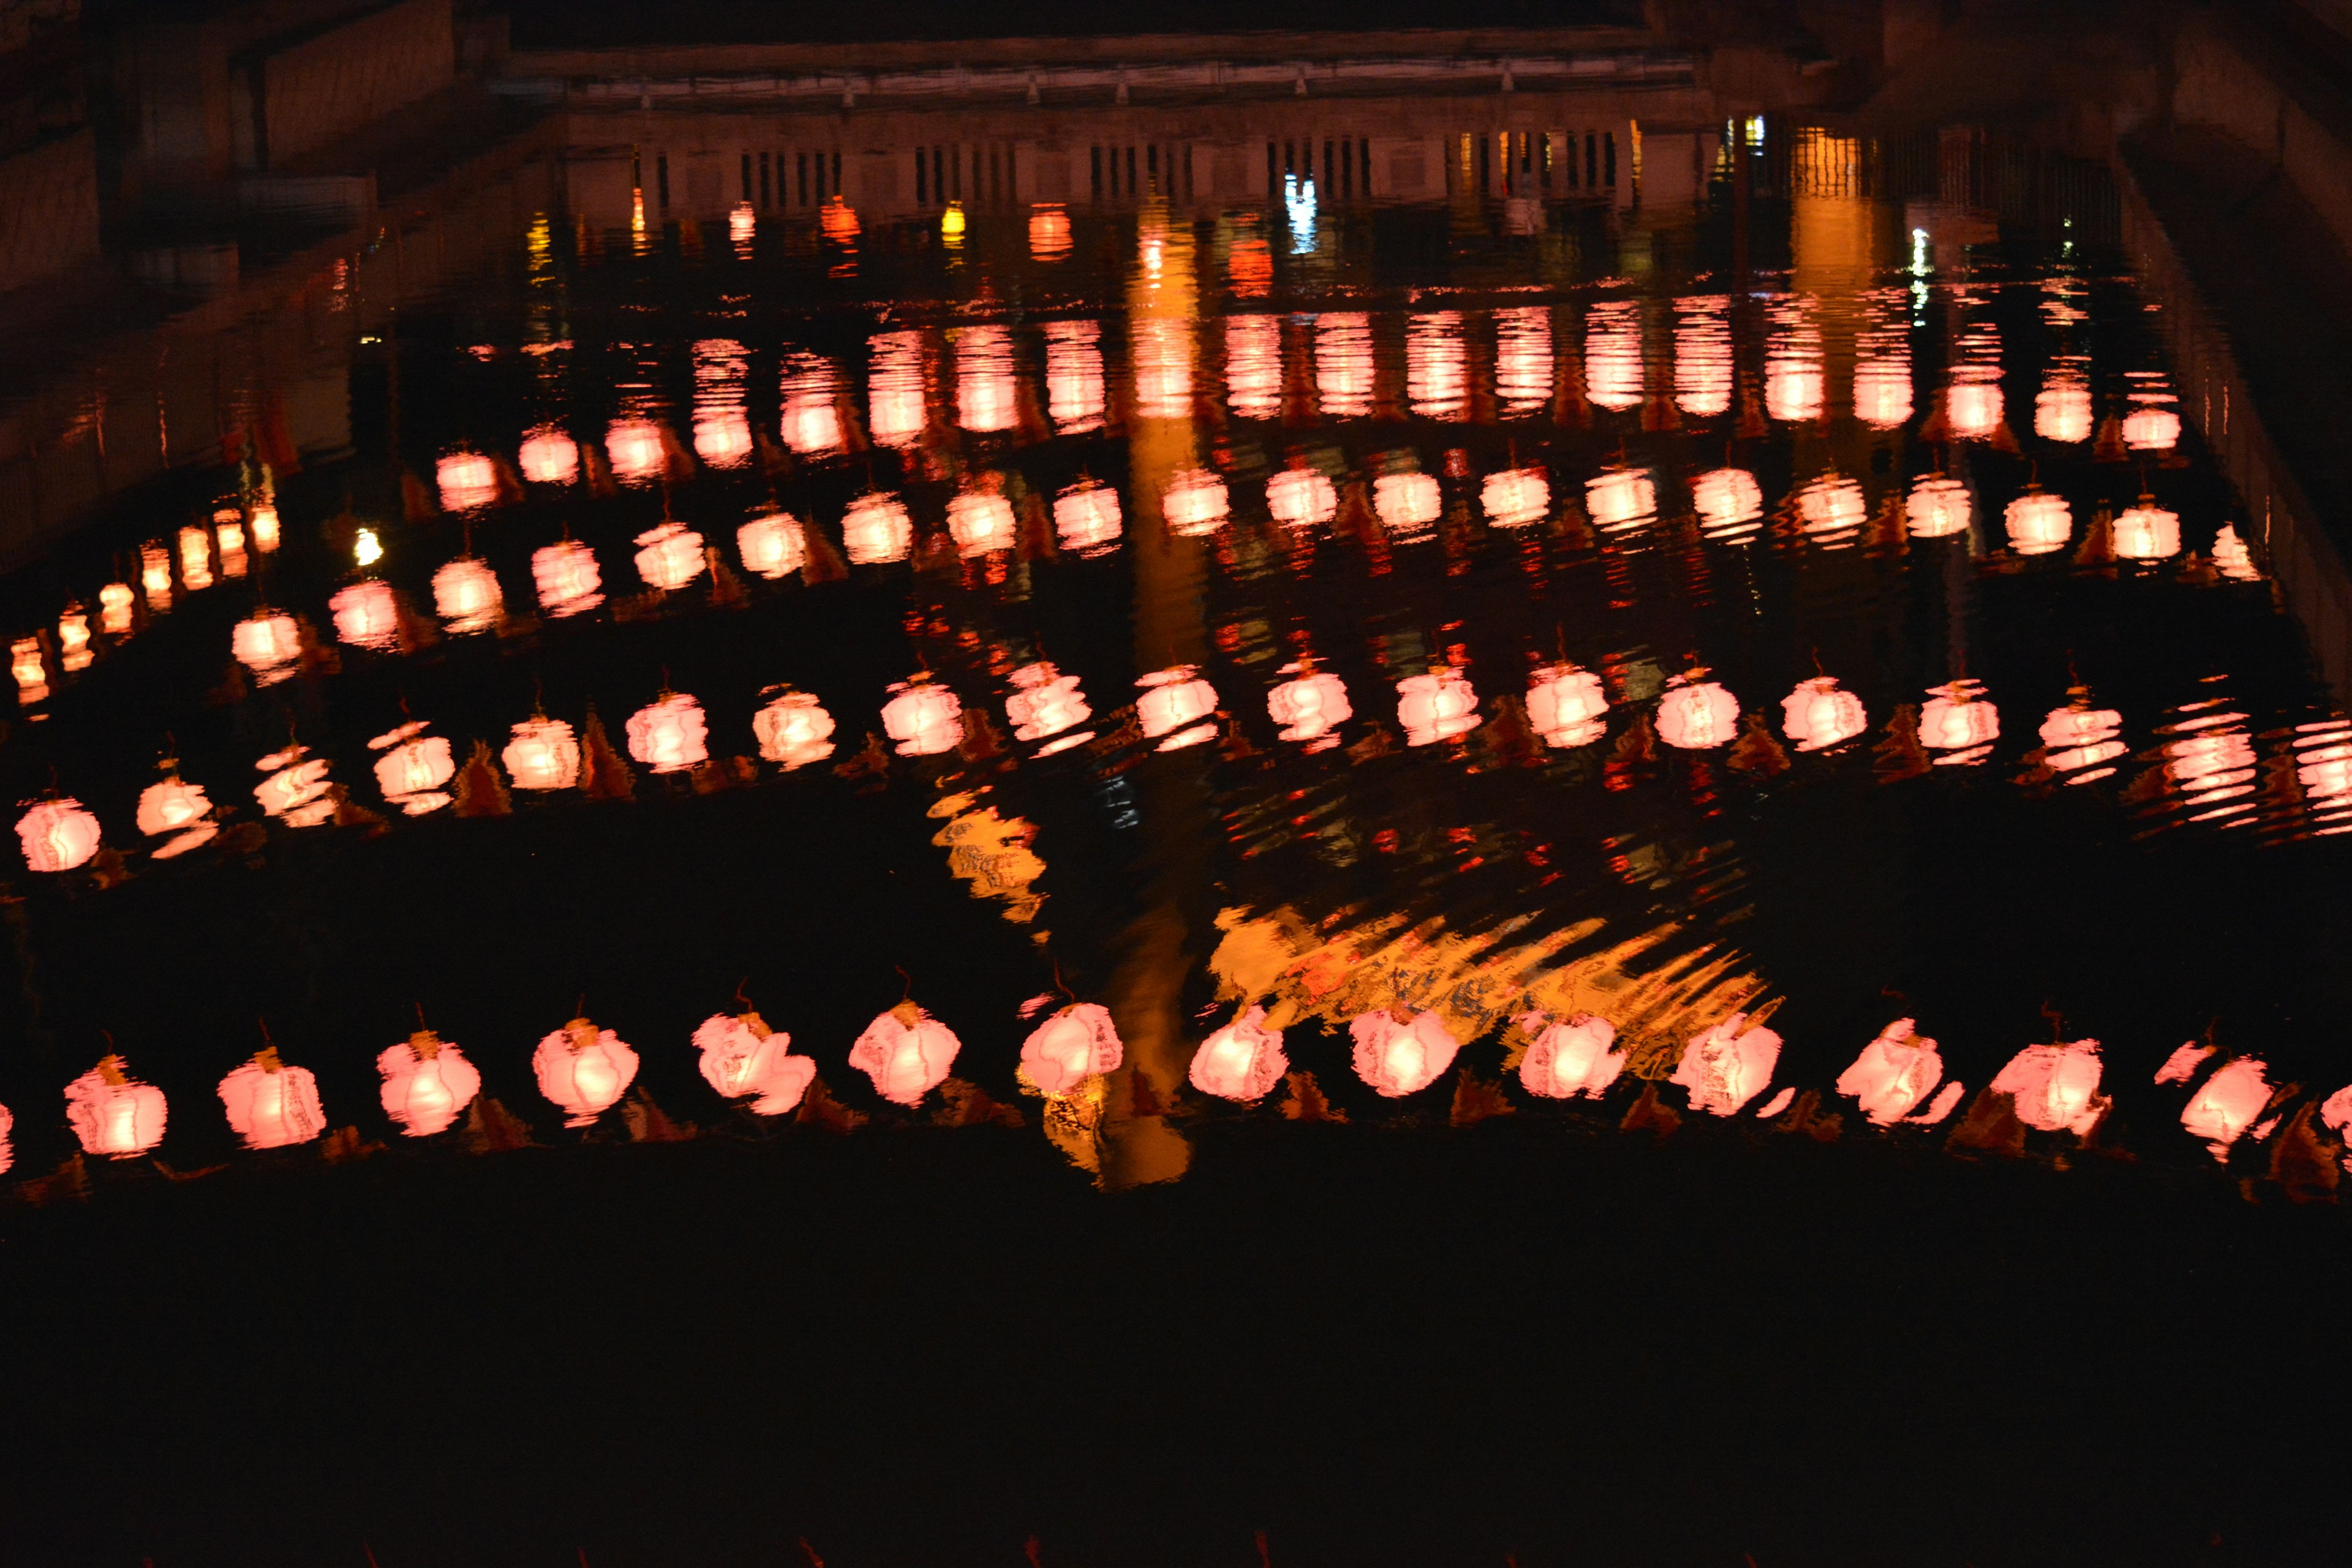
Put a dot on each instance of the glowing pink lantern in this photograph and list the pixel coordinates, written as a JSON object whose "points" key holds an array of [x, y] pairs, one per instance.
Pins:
{"points": [[265, 529], [170, 806], [113, 1114], [58, 835], [1832, 506], [2182, 1064], [1076, 1043], [1437, 365], [566, 576], [1937, 507], [671, 556], [743, 1059], [2151, 430], [2229, 1102], [1569, 1057], [1301, 498], [1242, 1061], [1400, 1057], [2336, 1114], [1044, 702], [812, 418], [1612, 355], [427, 1082], [2056, 1087], [414, 768], [1566, 705], [1893, 1074], [722, 436], [7, 1149], [907, 1053], [1703, 368], [668, 735], [1960, 720], [73, 638], [1309, 706], [634, 447], [2062, 411], [1174, 703], [1726, 1067], [2079, 736], [1882, 390], [271, 1105], [1697, 715], [268, 644], [1523, 360], [114, 602], [772, 546], [295, 791], [2231, 558], [1194, 504], [1517, 497], [1973, 407], [549, 456], [876, 530], [1728, 502], [543, 754], [1620, 498], [893, 387], [923, 717], [1343, 364], [1405, 503], [1818, 714], [195, 559], [793, 730], [583, 1069], [25, 664], [366, 616], [2147, 531], [981, 523], [466, 594], [1086, 518], [1438, 706], [2039, 522], [468, 480]]}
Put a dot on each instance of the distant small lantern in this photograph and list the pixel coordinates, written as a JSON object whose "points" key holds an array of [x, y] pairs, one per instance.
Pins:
{"points": [[670, 556], [1309, 706], [1569, 1057], [1301, 498], [742, 1058], [2147, 531], [1727, 1066], [1242, 1061], [1893, 1074], [1440, 705], [772, 546], [793, 730], [542, 754], [1174, 705], [924, 717], [1401, 1055], [981, 523], [1566, 705], [112, 1114], [1194, 504], [1076, 1043], [1697, 715], [1620, 498], [583, 1069], [566, 576], [1086, 518], [2055, 1087], [1729, 500], [1937, 508], [876, 530], [2039, 522], [907, 1053], [58, 834], [366, 614], [1817, 714], [271, 1105], [466, 594], [669, 735], [267, 643], [427, 1084]]}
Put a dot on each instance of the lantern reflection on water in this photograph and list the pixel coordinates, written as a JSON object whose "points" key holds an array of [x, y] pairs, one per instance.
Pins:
{"points": [[1612, 355], [2055, 1086], [31, 674], [2039, 522], [1523, 360], [466, 594], [58, 835], [923, 717], [1074, 1044], [195, 559], [114, 603], [1437, 706], [268, 644], [670, 557], [1515, 498], [772, 546], [2227, 1104], [566, 576], [412, 769], [810, 419], [1620, 498], [1817, 715], [1703, 369], [1831, 507], [1894, 1073], [1405, 503], [169, 806], [468, 480], [981, 523], [793, 730], [635, 449], [1343, 364], [876, 530], [986, 396], [1401, 1055], [743, 1059], [669, 734], [1086, 518], [894, 389], [2149, 429], [2147, 531], [1728, 502], [1242, 1061], [1194, 504], [1309, 706], [1973, 406], [1045, 702], [73, 640], [427, 1081], [2076, 739], [549, 456], [1074, 393], [1174, 703], [1792, 362], [1960, 720], [296, 791], [1253, 366], [271, 1105], [1566, 705], [1436, 365], [1881, 382], [1301, 496], [543, 754], [155, 577], [907, 1053], [2063, 410], [365, 614], [1569, 1057], [583, 1069], [2213, 763], [1727, 1066], [113, 1114], [2231, 558], [1696, 714], [1937, 507], [1159, 350]]}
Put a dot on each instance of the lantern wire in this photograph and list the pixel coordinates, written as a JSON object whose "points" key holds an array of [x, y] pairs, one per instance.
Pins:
{"points": [[909, 979]]}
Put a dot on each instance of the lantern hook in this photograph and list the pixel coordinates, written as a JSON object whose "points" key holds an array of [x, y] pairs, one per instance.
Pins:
{"points": [[909, 993], [738, 993], [1060, 986]]}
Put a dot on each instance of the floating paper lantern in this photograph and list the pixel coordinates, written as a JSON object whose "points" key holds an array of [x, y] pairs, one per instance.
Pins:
{"points": [[1517, 497], [114, 603], [427, 1083], [2039, 522], [1817, 715], [1076, 1043], [412, 769], [1727, 1066], [634, 448], [268, 644], [466, 594], [1309, 706], [668, 735], [907, 1053], [2231, 558], [1727, 500], [1882, 391], [265, 527], [2151, 430], [1174, 703], [924, 717], [772, 546], [1566, 705], [2062, 411], [468, 480], [1044, 702], [2147, 531], [1937, 507], [1086, 518], [793, 730], [366, 614], [2227, 1104], [1697, 714], [1973, 408], [742, 1058], [58, 834], [583, 1069], [170, 806], [1402, 1056], [1438, 706], [670, 556], [2056, 1088], [549, 456], [876, 530], [1049, 233], [2079, 736], [1569, 1057], [1242, 1061], [155, 577], [1301, 498], [566, 576], [73, 640], [113, 1114], [271, 1105], [195, 559], [542, 754], [1893, 1074], [295, 790], [1405, 503], [980, 524], [1194, 504], [1832, 505], [1620, 498], [722, 436], [1958, 721], [32, 675]]}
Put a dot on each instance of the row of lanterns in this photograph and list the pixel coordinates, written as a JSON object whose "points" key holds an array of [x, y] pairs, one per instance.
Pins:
{"points": [[427, 1083]]}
